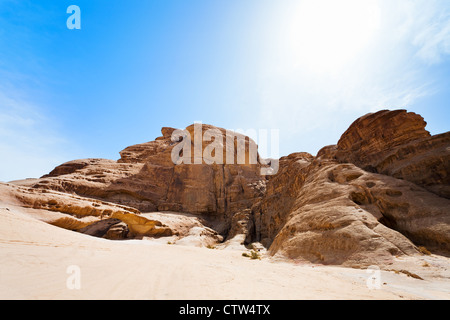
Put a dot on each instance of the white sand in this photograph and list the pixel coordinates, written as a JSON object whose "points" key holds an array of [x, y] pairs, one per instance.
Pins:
{"points": [[35, 256]]}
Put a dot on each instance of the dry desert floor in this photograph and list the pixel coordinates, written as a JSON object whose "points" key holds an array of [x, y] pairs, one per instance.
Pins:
{"points": [[37, 260]]}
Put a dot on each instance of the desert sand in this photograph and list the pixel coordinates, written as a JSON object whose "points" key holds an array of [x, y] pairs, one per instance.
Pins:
{"points": [[36, 257]]}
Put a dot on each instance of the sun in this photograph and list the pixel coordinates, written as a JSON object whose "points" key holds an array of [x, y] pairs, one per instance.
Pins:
{"points": [[326, 34]]}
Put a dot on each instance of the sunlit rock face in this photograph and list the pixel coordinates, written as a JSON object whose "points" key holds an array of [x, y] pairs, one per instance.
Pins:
{"points": [[380, 192], [395, 143]]}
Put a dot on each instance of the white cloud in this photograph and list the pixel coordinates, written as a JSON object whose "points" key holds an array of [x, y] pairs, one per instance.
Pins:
{"points": [[427, 25], [434, 42]]}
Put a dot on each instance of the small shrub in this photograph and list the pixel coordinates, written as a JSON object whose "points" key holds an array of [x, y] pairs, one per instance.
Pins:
{"points": [[255, 255]]}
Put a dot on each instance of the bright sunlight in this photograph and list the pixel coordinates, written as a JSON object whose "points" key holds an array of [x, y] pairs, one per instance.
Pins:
{"points": [[326, 34]]}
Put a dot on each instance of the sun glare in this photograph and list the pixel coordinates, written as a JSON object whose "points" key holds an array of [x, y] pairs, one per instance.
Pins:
{"points": [[326, 34]]}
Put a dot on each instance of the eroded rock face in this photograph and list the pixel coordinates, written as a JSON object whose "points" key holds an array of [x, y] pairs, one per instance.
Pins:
{"points": [[327, 209], [396, 143], [340, 214], [104, 227], [89, 216], [108, 220], [242, 226], [380, 192], [146, 178]]}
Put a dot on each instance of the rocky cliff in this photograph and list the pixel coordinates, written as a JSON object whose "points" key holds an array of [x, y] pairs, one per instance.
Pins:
{"points": [[382, 191], [395, 143], [146, 178]]}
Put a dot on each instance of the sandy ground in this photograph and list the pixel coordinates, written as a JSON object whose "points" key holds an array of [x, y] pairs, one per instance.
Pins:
{"points": [[40, 261]]}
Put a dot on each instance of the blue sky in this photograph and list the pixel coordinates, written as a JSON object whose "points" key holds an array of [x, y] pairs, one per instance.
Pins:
{"points": [[307, 68]]}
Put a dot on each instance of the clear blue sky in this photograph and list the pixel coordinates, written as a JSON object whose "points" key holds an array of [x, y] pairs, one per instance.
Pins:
{"points": [[308, 68]]}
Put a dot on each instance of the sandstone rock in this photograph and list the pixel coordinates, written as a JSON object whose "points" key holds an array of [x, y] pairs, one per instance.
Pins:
{"points": [[100, 228], [322, 211], [90, 216], [146, 178], [200, 237], [281, 194], [381, 131], [140, 226], [68, 168], [396, 143], [108, 220], [242, 225], [118, 231], [380, 192], [339, 214], [189, 229]]}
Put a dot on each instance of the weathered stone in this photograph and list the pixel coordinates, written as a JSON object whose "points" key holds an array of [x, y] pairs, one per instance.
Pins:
{"points": [[242, 224], [382, 191], [396, 143]]}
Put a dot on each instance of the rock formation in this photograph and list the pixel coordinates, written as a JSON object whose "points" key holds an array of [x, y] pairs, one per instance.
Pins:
{"points": [[146, 178], [364, 200], [395, 143], [340, 214], [381, 192]]}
